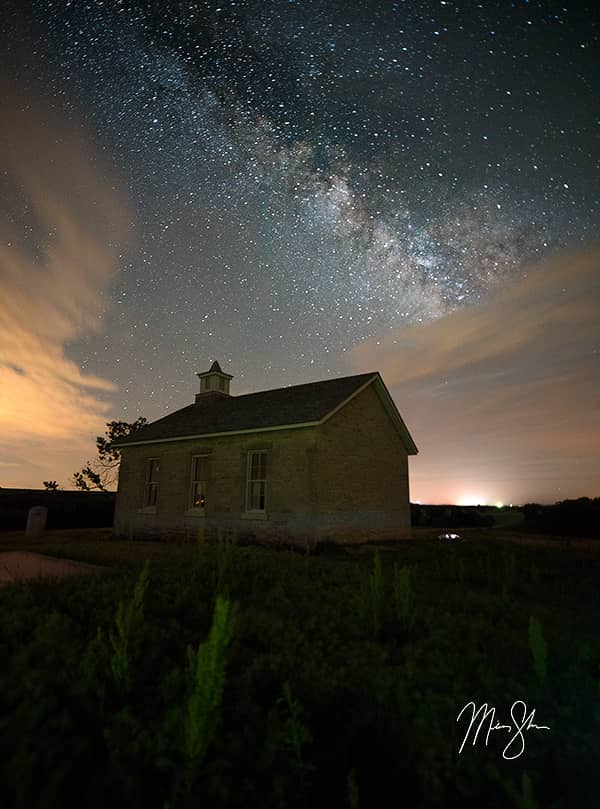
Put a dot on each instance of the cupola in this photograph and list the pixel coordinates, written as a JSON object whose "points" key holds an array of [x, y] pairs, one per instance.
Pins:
{"points": [[213, 381]]}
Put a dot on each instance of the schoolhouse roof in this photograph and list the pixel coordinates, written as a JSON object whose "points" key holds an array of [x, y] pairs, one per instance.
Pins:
{"points": [[306, 405]]}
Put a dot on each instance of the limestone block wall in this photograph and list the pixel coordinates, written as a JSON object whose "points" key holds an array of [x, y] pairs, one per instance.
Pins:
{"points": [[362, 474], [289, 492]]}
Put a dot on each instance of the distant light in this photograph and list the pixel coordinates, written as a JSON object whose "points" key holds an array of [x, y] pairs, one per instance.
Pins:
{"points": [[499, 505], [472, 500]]}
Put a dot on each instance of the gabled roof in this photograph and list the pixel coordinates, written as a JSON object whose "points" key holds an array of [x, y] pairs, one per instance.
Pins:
{"points": [[283, 408]]}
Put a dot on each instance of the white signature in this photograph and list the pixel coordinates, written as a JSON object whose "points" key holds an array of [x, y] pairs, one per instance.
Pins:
{"points": [[521, 722]]}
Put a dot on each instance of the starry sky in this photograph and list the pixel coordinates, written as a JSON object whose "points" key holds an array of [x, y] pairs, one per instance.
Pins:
{"points": [[306, 189]]}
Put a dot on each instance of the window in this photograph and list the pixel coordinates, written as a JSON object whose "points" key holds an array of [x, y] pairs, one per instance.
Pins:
{"points": [[199, 478], [256, 480], [151, 482]]}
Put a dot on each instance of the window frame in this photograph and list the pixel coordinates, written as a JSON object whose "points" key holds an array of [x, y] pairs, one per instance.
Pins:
{"points": [[250, 480], [151, 485], [194, 481]]}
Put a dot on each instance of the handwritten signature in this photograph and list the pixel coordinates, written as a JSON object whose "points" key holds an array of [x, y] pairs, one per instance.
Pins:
{"points": [[521, 722]]}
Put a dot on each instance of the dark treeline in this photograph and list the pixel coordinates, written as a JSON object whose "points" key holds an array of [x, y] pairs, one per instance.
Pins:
{"points": [[66, 509], [576, 518], [569, 518], [423, 516]]}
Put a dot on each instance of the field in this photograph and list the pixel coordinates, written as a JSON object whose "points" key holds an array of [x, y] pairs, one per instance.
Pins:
{"points": [[225, 676]]}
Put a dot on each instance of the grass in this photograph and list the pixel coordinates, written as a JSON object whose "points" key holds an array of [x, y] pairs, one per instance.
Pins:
{"points": [[128, 620], [140, 689]]}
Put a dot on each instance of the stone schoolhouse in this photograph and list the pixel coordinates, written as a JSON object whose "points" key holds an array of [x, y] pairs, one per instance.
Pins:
{"points": [[324, 461]]}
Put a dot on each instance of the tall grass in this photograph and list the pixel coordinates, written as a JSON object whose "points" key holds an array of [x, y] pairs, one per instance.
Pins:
{"points": [[210, 734], [534, 575], [510, 572], [538, 648], [352, 789], [129, 620], [287, 735], [224, 564], [376, 594], [403, 596], [527, 800], [296, 734], [206, 682], [460, 571]]}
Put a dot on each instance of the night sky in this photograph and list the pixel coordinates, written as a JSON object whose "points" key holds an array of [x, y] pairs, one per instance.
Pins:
{"points": [[305, 190]]}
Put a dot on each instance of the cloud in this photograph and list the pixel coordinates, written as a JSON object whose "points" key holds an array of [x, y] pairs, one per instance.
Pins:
{"points": [[63, 228], [504, 396]]}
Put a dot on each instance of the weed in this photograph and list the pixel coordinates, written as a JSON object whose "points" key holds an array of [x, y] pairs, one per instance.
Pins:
{"points": [[534, 575], [523, 798], [224, 554], [403, 596], [129, 621], [207, 680], [352, 788], [510, 570], [376, 592], [460, 572], [296, 734], [526, 799], [93, 677], [538, 648]]}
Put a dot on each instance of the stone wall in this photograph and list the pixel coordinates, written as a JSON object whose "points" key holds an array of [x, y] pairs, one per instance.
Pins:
{"points": [[289, 507], [345, 481], [362, 466]]}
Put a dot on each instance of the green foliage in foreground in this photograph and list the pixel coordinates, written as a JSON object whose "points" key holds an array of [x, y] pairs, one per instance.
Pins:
{"points": [[376, 594], [207, 680], [403, 596], [538, 648], [128, 622], [334, 681]]}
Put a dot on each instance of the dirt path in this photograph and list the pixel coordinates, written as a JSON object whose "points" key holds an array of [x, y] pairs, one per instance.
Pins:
{"points": [[24, 565]]}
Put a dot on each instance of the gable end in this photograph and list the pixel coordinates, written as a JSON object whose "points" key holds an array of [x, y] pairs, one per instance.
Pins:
{"points": [[388, 405]]}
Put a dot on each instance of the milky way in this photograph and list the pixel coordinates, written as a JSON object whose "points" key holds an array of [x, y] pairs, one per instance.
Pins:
{"points": [[307, 175]]}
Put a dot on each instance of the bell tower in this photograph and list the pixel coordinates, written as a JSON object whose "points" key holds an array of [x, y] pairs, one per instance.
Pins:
{"points": [[213, 381]]}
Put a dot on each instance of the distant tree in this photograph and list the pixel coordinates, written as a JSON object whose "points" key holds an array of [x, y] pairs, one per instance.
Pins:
{"points": [[101, 473], [532, 511], [51, 485]]}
